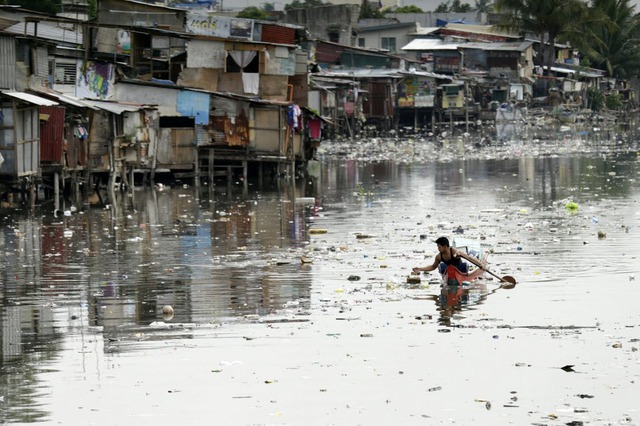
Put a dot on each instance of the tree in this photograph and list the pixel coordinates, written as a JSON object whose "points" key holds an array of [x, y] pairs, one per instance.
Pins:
{"points": [[614, 45], [51, 7], [93, 9], [453, 6], [407, 9], [555, 19], [367, 11], [253, 12], [483, 6], [297, 4]]}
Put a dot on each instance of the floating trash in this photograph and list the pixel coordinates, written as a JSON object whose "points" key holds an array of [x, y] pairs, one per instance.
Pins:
{"points": [[315, 231], [167, 313], [571, 206], [413, 279]]}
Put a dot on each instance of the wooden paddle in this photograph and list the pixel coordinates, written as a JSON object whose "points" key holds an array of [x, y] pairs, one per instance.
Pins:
{"points": [[506, 279]]}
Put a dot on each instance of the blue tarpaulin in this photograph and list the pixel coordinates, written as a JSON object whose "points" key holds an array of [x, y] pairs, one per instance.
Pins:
{"points": [[443, 23]]}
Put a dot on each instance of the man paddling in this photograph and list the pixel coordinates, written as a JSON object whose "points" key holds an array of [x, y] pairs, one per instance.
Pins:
{"points": [[446, 256]]}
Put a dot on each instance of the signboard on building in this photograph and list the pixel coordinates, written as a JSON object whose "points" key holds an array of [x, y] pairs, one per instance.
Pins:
{"points": [[416, 92], [219, 26]]}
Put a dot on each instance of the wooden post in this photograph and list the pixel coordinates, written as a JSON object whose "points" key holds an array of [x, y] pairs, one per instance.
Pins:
{"points": [[56, 192], [32, 195], [132, 181], [466, 107], [211, 165], [245, 175], [196, 179]]}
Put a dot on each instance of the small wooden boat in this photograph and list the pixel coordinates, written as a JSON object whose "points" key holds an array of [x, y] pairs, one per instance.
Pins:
{"points": [[453, 276]]}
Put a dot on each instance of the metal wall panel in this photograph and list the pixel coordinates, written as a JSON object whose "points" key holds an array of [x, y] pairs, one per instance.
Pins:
{"points": [[41, 60], [7, 63], [27, 141], [51, 134]]}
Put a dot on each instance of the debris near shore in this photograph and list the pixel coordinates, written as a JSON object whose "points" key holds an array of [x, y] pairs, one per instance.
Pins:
{"points": [[540, 133]]}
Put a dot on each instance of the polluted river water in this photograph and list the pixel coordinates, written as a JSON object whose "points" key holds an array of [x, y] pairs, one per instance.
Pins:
{"points": [[289, 304]]}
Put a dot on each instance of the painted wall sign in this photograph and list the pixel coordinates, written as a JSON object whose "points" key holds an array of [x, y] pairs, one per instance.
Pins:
{"points": [[219, 26]]}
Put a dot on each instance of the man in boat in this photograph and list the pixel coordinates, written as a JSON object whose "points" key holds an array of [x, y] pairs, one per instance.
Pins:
{"points": [[446, 256]]}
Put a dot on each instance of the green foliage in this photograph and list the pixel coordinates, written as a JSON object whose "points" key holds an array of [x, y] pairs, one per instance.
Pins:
{"points": [[253, 12], [93, 9], [595, 98], [613, 101], [368, 11], [611, 37], [45, 6], [297, 4], [549, 20], [453, 6], [484, 6], [407, 9]]}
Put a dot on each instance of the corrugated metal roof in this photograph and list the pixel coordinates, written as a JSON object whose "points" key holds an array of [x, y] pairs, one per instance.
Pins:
{"points": [[480, 29], [506, 46], [6, 22], [362, 73], [584, 73], [424, 30], [57, 31], [418, 73], [429, 44], [65, 99], [28, 97], [113, 107]]}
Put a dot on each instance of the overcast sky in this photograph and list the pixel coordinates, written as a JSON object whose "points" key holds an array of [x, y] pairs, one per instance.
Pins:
{"points": [[426, 5]]}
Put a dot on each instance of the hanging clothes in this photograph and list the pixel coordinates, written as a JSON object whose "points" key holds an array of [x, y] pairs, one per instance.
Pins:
{"points": [[251, 82], [315, 128], [80, 132], [294, 117]]}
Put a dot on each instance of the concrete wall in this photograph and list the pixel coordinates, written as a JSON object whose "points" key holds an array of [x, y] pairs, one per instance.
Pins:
{"points": [[121, 12], [430, 19], [319, 20], [373, 39], [165, 98]]}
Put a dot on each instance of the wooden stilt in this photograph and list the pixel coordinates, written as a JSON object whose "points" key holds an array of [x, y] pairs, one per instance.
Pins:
{"points": [[211, 165], [245, 176], [56, 192]]}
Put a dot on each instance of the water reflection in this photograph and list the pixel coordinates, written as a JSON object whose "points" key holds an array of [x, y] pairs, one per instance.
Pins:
{"points": [[452, 300]]}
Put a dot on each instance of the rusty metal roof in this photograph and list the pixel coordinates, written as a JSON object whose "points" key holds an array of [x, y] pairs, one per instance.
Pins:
{"points": [[115, 107]]}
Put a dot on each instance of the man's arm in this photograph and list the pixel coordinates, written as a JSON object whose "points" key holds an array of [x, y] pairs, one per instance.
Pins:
{"points": [[471, 259], [429, 268]]}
